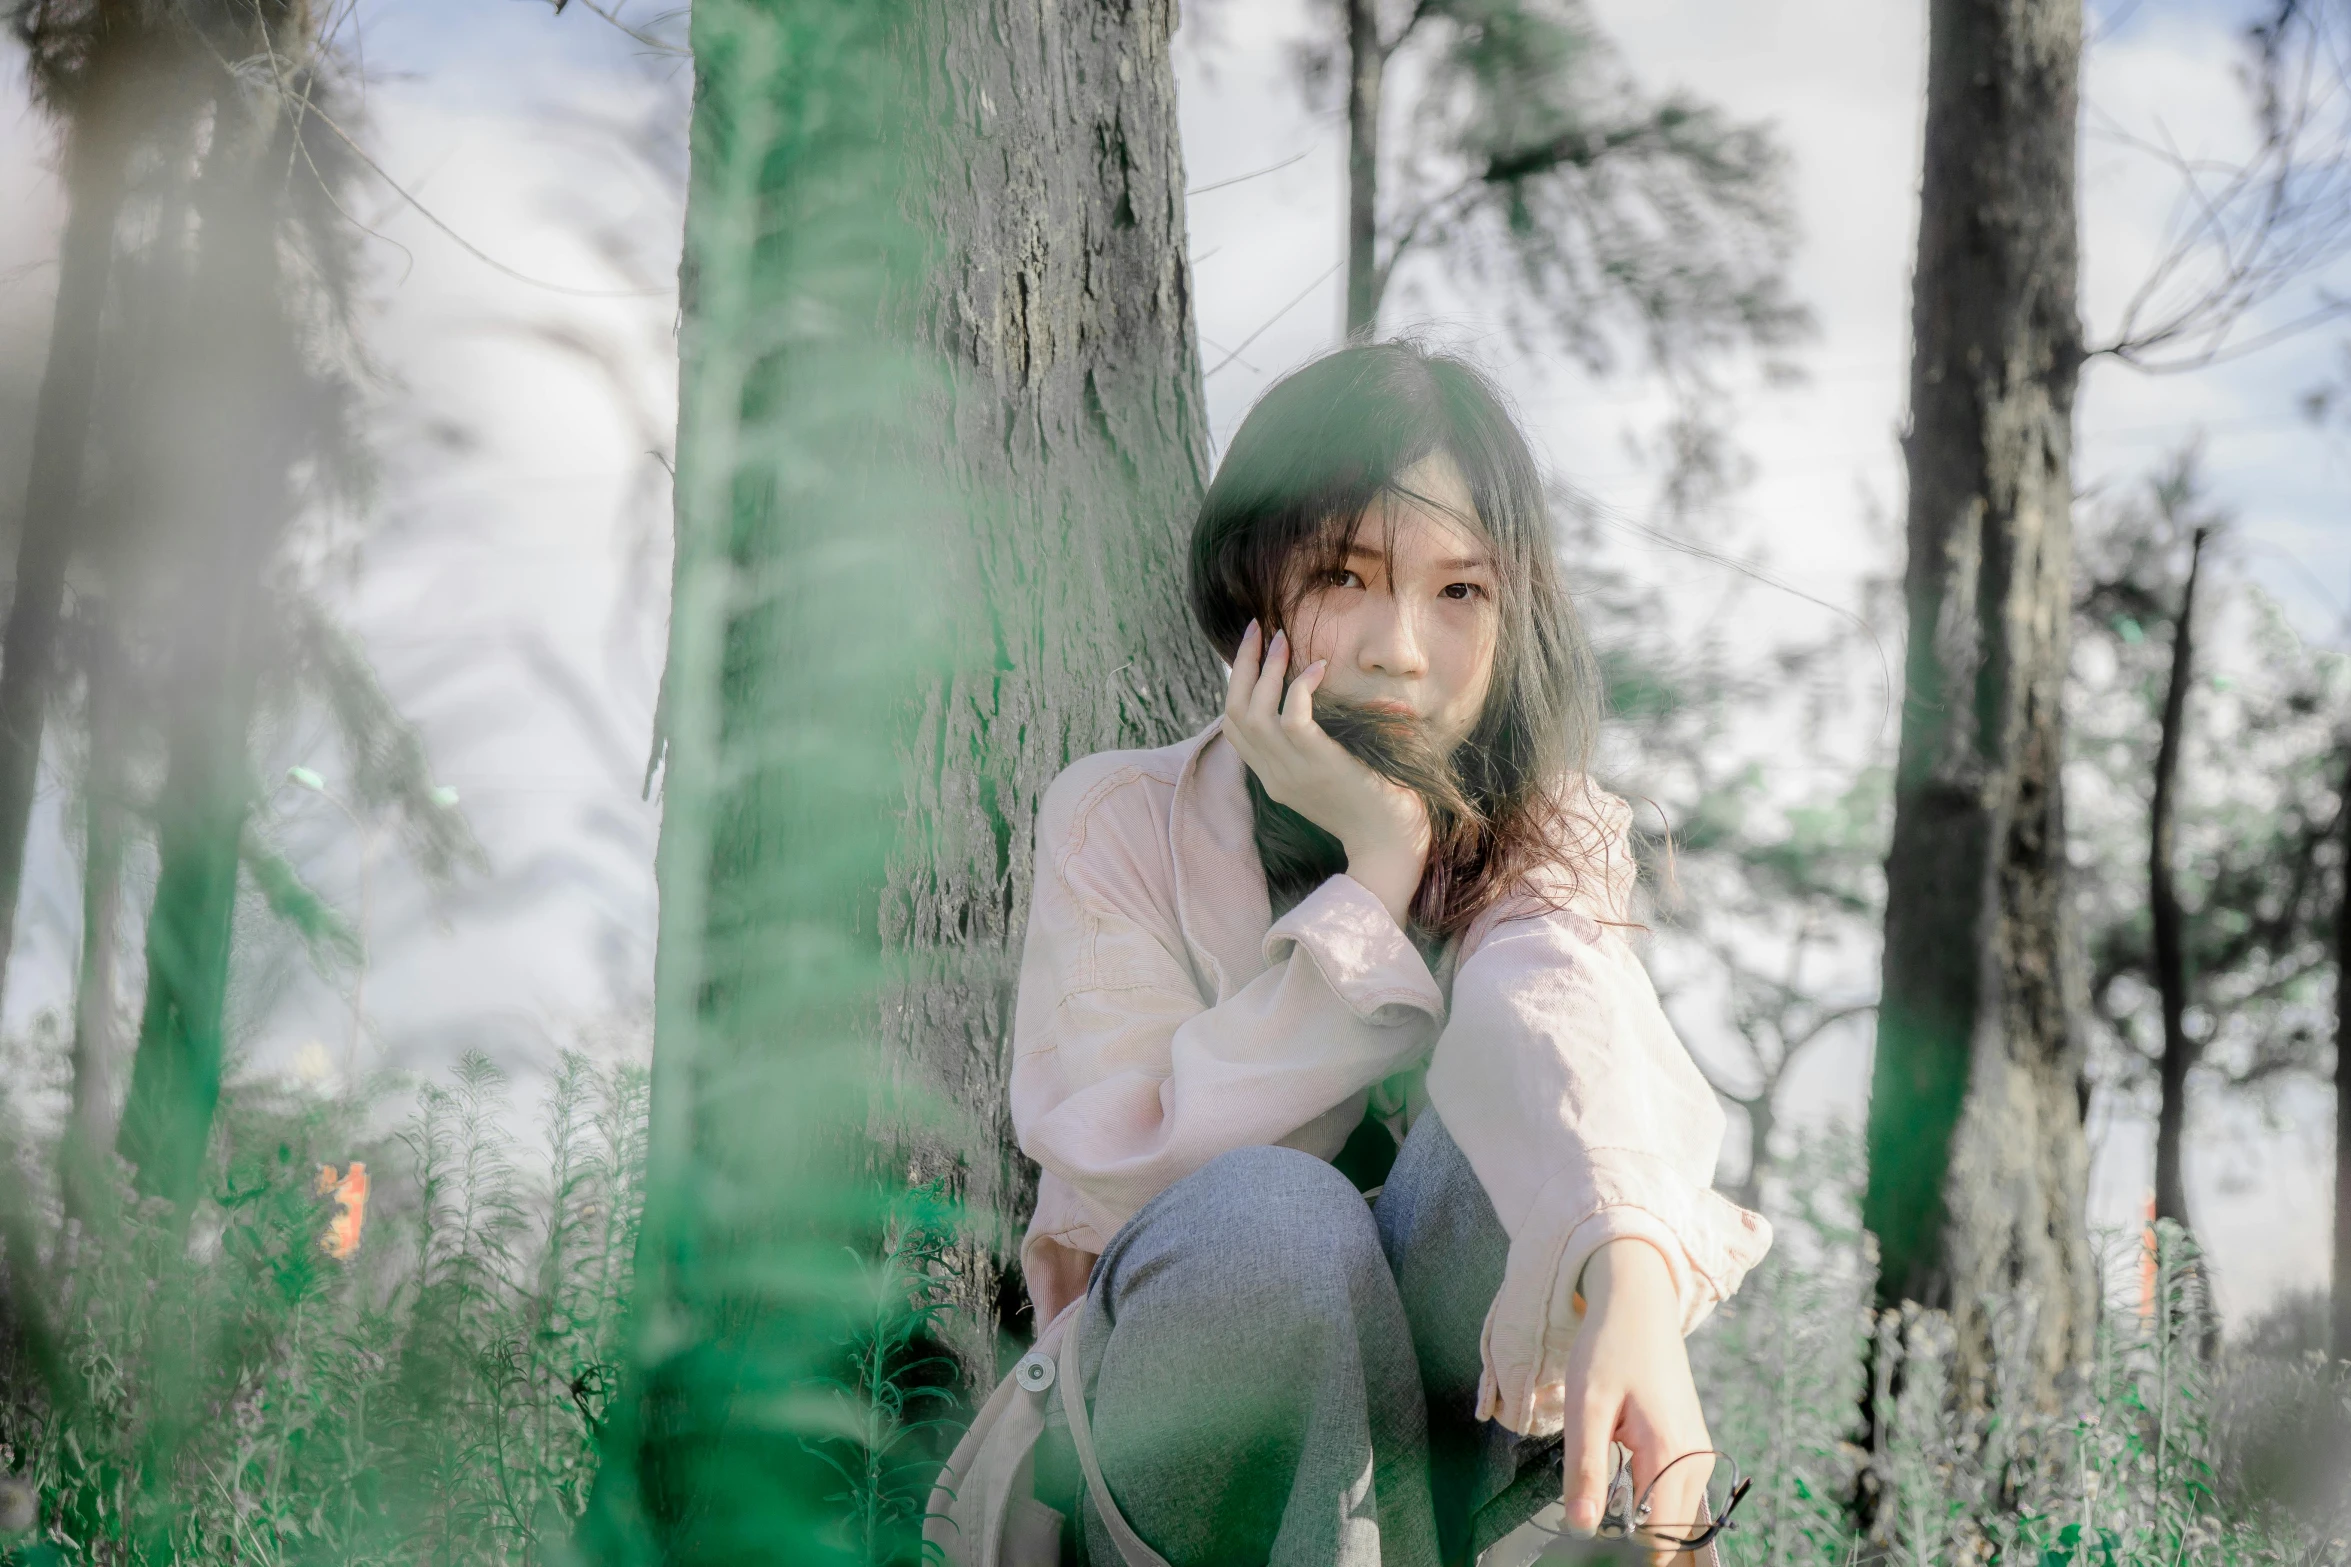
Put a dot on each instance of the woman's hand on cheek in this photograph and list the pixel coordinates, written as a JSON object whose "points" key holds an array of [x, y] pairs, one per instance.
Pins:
{"points": [[1628, 1381], [1384, 826]]}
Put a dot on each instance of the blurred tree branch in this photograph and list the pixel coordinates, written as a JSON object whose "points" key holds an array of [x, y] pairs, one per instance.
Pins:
{"points": [[2250, 230]]}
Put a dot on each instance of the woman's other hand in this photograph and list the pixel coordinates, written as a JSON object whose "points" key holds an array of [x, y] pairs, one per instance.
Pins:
{"points": [[1628, 1381], [1383, 826]]}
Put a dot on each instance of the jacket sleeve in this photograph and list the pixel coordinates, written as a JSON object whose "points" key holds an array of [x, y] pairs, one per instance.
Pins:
{"points": [[1587, 1122], [1125, 1078]]}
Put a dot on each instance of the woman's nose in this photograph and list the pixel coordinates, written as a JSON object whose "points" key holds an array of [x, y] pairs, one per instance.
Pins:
{"points": [[1392, 645]]}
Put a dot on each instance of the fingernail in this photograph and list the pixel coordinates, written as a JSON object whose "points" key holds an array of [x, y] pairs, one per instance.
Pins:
{"points": [[1252, 631], [1281, 639]]}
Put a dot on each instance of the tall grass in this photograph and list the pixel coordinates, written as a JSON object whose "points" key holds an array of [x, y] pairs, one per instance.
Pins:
{"points": [[2170, 1448], [239, 1394], [896, 1410]]}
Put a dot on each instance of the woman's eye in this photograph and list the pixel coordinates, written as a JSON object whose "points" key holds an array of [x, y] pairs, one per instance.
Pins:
{"points": [[1343, 578], [1463, 590]]}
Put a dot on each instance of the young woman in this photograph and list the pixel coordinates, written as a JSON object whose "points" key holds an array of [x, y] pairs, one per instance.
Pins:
{"points": [[1375, 903]]}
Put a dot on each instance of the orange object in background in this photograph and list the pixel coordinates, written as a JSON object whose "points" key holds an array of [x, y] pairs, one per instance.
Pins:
{"points": [[2146, 1261], [350, 1193]]}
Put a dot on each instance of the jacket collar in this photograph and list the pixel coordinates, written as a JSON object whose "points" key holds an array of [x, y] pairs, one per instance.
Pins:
{"points": [[1221, 903]]}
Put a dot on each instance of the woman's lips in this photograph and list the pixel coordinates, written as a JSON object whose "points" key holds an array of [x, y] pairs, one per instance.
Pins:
{"points": [[1402, 708]]}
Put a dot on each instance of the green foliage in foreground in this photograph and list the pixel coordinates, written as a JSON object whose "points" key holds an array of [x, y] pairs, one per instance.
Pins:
{"points": [[436, 1397], [235, 1392]]}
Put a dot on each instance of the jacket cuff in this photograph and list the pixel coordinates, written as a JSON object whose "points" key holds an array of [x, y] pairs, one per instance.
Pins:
{"points": [[1708, 1242], [1359, 950]]}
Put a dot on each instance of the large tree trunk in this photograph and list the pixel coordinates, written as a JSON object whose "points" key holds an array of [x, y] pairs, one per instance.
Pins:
{"points": [[928, 511], [1060, 303], [1977, 1156], [2163, 902]]}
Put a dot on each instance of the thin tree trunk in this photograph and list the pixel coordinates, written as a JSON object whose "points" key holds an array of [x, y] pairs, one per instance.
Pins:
{"points": [[176, 1082], [94, 173], [2163, 900], [1762, 1118], [1978, 1161], [2341, 1299], [89, 1124], [1367, 63], [236, 428], [1062, 307]]}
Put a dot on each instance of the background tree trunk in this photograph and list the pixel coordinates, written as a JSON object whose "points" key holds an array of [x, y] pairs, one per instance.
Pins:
{"points": [[1059, 299], [98, 147], [1367, 64], [1977, 1157], [2341, 1293], [1762, 1120], [238, 425], [89, 1124], [2163, 901]]}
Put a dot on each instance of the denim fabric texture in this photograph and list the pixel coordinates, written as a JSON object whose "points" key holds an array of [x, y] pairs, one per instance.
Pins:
{"points": [[1283, 1373]]}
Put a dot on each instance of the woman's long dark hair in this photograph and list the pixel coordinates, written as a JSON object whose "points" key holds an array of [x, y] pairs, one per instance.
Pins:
{"points": [[1320, 447]]}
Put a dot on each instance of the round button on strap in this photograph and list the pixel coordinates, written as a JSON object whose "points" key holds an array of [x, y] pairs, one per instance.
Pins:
{"points": [[1035, 1372]]}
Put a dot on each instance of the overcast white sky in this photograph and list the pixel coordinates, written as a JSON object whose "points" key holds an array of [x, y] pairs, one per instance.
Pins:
{"points": [[515, 591]]}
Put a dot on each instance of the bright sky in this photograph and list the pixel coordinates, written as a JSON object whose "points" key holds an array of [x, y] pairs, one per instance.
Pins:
{"points": [[514, 593]]}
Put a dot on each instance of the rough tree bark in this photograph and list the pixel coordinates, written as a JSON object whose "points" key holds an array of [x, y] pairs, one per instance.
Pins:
{"points": [[2163, 901], [1976, 1149], [992, 452], [1059, 297]]}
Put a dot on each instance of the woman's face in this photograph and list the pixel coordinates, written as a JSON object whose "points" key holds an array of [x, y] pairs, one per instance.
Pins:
{"points": [[1409, 627]]}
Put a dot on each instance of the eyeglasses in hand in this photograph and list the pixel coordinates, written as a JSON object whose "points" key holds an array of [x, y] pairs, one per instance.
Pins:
{"points": [[1630, 1517]]}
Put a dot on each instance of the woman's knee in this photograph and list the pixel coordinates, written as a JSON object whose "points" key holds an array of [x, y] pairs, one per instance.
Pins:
{"points": [[1287, 1176], [1261, 1221], [1291, 1205]]}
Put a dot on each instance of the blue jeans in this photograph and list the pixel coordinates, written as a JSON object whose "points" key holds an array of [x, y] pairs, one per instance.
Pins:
{"points": [[1282, 1373]]}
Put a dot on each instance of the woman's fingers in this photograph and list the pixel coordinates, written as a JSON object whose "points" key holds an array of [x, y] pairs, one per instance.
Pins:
{"points": [[1265, 702], [1585, 1463], [1298, 706], [1244, 677], [1671, 1460], [1676, 1491]]}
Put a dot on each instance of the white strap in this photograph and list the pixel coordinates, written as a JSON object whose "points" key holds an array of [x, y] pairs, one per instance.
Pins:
{"points": [[1081, 1434]]}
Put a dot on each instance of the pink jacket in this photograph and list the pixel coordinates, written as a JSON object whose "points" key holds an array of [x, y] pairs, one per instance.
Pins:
{"points": [[1164, 1018]]}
